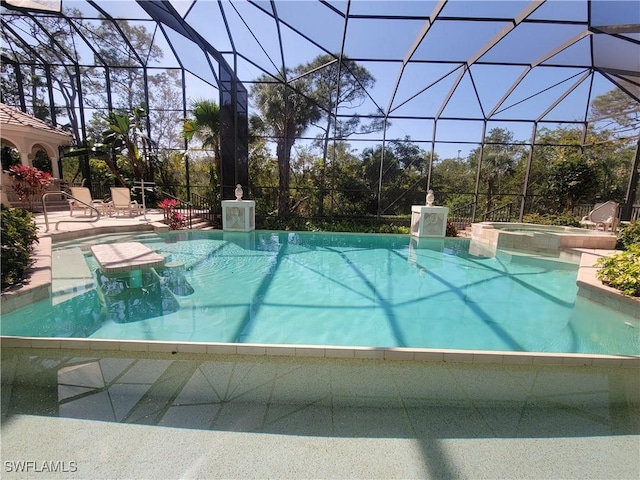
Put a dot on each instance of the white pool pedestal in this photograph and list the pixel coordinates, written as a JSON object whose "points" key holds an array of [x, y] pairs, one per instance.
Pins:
{"points": [[429, 221], [238, 215]]}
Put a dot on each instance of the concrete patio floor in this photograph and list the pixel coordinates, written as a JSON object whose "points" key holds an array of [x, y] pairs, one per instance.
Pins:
{"points": [[61, 222]]}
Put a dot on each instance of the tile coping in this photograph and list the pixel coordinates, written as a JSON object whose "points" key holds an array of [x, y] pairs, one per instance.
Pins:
{"points": [[39, 287], [316, 351]]}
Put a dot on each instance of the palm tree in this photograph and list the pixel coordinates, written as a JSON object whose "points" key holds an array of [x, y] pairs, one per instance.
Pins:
{"points": [[205, 126], [122, 134], [285, 115], [499, 157]]}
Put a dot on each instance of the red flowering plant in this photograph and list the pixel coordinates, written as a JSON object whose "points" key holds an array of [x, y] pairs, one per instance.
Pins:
{"points": [[29, 183], [174, 219]]}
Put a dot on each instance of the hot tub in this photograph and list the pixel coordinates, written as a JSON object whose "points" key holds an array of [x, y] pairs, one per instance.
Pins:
{"points": [[547, 239]]}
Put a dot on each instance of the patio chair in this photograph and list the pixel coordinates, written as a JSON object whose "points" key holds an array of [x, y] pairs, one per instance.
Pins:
{"points": [[603, 215], [84, 195], [121, 202]]}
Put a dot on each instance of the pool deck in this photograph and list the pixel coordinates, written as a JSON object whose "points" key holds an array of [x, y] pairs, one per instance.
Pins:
{"points": [[226, 411], [142, 415]]}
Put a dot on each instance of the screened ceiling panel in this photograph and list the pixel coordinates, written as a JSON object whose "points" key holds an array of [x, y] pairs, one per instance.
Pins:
{"points": [[629, 85], [391, 9], [492, 81], [385, 82], [469, 38], [363, 108], [85, 44], [193, 59], [315, 21], [601, 85], [168, 58], [574, 105], [459, 131], [614, 13], [492, 9], [532, 107], [297, 49], [428, 102], [245, 68], [616, 54], [86, 9], [183, 6], [263, 47], [564, 11], [464, 101], [524, 61], [207, 20], [521, 130], [392, 38], [120, 9], [576, 55], [418, 76], [533, 41]]}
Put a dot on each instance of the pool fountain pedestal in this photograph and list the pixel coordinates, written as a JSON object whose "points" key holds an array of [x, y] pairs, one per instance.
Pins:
{"points": [[429, 221], [238, 215]]}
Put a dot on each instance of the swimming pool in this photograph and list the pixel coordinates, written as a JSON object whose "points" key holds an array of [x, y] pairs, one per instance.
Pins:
{"points": [[330, 289]]}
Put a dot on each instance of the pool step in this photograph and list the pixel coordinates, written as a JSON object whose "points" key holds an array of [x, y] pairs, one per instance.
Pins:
{"points": [[70, 274], [86, 243]]}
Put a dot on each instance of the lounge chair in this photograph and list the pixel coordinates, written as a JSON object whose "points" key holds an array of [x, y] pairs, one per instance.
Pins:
{"points": [[121, 202], [83, 194], [603, 215]]}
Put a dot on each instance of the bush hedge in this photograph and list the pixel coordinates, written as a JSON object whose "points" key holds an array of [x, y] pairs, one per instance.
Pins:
{"points": [[355, 225], [628, 236], [302, 224], [622, 271], [19, 233], [565, 219]]}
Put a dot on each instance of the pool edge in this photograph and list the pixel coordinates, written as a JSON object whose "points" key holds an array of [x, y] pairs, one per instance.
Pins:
{"points": [[320, 351]]}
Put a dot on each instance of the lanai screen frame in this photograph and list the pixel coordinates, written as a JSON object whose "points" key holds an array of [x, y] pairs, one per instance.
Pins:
{"points": [[233, 93]]}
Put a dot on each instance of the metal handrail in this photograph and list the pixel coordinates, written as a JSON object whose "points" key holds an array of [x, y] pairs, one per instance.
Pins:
{"points": [[71, 197], [462, 214], [204, 207], [499, 212]]}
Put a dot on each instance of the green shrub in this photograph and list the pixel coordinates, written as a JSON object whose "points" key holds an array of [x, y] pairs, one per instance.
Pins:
{"points": [[302, 224], [19, 232], [452, 231], [565, 219], [628, 236], [622, 271]]}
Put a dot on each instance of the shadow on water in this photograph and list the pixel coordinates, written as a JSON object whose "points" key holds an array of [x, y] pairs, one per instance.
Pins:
{"points": [[517, 278], [481, 314], [379, 299], [244, 327]]}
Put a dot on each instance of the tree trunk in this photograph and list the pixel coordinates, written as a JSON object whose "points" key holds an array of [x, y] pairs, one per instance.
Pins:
{"points": [[489, 196], [283, 178], [323, 174], [283, 151]]}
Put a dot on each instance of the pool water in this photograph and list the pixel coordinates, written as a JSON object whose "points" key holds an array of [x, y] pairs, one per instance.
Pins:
{"points": [[335, 289]]}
